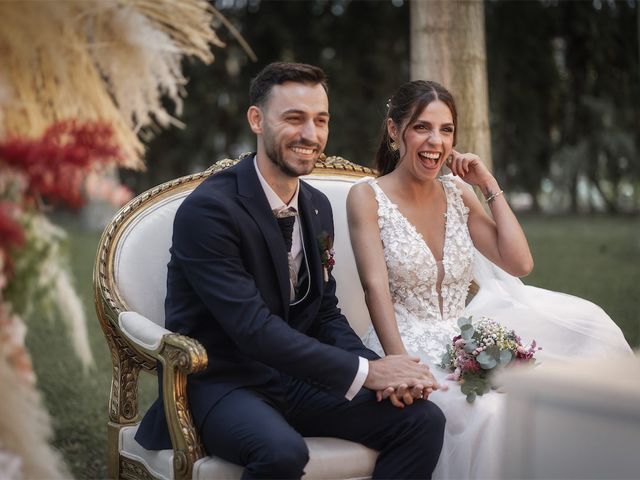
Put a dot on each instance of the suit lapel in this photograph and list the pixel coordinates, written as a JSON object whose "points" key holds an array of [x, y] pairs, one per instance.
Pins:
{"points": [[252, 197], [312, 228]]}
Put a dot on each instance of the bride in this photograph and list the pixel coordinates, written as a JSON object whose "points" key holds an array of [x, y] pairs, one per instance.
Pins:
{"points": [[419, 238]]}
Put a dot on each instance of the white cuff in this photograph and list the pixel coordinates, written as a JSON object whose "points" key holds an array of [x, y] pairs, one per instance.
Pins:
{"points": [[361, 376]]}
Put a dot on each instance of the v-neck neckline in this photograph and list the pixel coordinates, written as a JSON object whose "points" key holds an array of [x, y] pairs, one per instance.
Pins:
{"points": [[415, 231]]}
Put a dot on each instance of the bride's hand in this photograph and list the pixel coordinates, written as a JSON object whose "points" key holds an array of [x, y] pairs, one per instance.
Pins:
{"points": [[404, 395], [469, 167], [401, 396]]}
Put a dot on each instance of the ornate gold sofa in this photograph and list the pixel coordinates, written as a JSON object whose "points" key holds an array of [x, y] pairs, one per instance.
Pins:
{"points": [[130, 287]]}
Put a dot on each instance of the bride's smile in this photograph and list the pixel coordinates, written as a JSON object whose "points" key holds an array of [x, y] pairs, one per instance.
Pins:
{"points": [[430, 160]]}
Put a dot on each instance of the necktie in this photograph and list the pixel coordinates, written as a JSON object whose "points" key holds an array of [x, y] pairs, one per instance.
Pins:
{"points": [[286, 227], [286, 219]]}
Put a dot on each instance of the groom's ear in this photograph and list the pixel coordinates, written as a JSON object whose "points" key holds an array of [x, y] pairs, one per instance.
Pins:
{"points": [[255, 118]]}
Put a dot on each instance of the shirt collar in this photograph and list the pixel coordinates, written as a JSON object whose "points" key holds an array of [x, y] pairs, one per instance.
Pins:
{"points": [[274, 200]]}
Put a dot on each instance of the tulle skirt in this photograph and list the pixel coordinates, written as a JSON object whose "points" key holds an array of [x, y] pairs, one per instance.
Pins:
{"points": [[563, 325]]}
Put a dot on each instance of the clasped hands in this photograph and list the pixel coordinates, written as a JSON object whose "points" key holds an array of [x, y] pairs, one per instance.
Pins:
{"points": [[400, 378]]}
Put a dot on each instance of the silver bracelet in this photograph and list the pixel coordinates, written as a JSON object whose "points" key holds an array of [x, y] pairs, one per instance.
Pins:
{"points": [[493, 196]]}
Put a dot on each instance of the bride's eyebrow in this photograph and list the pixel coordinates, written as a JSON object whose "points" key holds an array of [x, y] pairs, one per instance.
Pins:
{"points": [[428, 124]]}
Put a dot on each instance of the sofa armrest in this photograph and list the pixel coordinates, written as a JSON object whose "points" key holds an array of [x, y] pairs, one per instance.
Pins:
{"points": [[179, 356], [141, 331]]}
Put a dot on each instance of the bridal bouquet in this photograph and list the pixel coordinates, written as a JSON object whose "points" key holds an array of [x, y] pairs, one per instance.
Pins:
{"points": [[480, 349]]}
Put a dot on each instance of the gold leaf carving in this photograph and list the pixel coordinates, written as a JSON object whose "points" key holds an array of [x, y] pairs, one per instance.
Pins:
{"points": [[130, 469]]}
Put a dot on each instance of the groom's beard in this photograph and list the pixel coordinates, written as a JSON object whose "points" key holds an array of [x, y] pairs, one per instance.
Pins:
{"points": [[277, 155]]}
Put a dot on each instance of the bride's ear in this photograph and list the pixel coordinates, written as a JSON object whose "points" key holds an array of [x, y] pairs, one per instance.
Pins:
{"points": [[392, 130]]}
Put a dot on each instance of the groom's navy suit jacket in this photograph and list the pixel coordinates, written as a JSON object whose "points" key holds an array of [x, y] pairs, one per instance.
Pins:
{"points": [[228, 287]]}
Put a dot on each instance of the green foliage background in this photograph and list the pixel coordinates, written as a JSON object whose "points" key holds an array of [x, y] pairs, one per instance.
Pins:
{"points": [[564, 84]]}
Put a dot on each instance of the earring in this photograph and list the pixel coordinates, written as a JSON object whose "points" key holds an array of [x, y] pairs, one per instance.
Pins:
{"points": [[394, 146]]}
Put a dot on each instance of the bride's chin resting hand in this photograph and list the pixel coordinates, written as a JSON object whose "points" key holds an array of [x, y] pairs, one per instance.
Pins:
{"points": [[469, 167]]}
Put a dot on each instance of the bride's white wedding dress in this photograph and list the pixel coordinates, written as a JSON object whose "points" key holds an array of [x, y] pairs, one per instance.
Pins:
{"points": [[429, 297]]}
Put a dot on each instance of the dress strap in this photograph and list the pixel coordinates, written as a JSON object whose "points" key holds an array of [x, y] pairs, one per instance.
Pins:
{"points": [[381, 197], [452, 187]]}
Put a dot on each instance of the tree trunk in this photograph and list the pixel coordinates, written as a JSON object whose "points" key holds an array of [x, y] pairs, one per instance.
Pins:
{"points": [[636, 189], [610, 204], [573, 189], [448, 46]]}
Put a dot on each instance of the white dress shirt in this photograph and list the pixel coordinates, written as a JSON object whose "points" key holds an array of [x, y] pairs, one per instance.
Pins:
{"points": [[276, 204]]}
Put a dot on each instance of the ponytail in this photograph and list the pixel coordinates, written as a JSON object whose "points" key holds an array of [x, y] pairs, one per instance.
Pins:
{"points": [[386, 159]]}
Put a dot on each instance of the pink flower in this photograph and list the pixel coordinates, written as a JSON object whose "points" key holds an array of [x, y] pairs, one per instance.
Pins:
{"points": [[470, 365], [104, 188]]}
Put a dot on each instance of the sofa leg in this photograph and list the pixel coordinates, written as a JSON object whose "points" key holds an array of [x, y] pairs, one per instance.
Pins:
{"points": [[113, 451]]}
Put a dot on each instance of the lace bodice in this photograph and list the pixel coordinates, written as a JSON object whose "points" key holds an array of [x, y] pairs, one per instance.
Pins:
{"points": [[413, 272]]}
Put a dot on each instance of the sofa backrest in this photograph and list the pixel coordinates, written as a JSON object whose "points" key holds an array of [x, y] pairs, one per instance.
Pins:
{"points": [[142, 240]]}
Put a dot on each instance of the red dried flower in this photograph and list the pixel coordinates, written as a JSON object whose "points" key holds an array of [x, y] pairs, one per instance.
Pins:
{"points": [[11, 234], [57, 163]]}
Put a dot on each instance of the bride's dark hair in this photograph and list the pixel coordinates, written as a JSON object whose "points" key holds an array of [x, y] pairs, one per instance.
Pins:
{"points": [[406, 104]]}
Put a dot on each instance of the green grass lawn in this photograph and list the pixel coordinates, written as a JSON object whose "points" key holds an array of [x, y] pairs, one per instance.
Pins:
{"points": [[77, 400], [595, 258]]}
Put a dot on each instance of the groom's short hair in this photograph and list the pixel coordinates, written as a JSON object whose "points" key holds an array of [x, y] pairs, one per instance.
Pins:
{"points": [[278, 73]]}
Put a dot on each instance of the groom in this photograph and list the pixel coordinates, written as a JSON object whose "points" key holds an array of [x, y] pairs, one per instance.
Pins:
{"points": [[247, 280]]}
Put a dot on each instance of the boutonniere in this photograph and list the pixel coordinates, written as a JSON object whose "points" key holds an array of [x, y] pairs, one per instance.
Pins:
{"points": [[325, 244]]}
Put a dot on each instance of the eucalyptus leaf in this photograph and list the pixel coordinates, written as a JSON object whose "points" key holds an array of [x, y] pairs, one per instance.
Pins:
{"points": [[462, 321], [471, 397], [466, 387], [486, 360], [494, 351], [467, 331], [470, 346], [446, 360], [473, 381], [505, 357]]}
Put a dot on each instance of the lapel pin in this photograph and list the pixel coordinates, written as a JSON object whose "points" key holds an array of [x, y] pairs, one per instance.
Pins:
{"points": [[315, 210]]}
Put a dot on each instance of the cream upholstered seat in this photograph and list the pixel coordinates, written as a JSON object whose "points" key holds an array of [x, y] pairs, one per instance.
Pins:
{"points": [[130, 287]]}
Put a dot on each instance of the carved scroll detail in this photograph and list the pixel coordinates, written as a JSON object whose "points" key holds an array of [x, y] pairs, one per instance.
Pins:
{"points": [[130, 469], [182, 356]]}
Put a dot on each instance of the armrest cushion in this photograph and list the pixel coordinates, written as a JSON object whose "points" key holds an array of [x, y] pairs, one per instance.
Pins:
{"points": [[141, 331]]}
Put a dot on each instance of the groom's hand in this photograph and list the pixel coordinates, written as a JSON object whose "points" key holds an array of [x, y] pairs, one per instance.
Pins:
{"points": [[400, 378]]}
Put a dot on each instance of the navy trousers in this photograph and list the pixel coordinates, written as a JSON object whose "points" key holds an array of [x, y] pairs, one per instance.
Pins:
{"points": [[262, 429]]}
